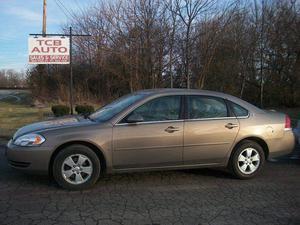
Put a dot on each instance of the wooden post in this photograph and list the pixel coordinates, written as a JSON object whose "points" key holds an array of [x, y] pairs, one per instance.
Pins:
{"points": [[44, 31], [71, 73]]}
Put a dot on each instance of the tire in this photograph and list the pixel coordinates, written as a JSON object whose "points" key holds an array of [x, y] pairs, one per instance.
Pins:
{"points": [[76, 167], [244, 166]]}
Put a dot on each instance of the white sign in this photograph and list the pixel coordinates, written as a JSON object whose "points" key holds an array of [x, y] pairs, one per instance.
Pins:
{"points": [[49, 50]]}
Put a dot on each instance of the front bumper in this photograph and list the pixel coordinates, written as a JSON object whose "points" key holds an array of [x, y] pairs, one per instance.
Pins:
{"points": [[31, 159]]}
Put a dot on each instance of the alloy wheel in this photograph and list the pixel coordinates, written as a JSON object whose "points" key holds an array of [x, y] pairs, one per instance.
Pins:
{"points": [[248, 161], [77, 169]]}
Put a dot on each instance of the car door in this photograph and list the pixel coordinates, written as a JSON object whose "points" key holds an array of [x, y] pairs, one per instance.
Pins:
{"points": [[150, 136], [210, 131]]}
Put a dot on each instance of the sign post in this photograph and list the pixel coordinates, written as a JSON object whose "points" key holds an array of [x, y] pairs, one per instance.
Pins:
{"points": [[53, 49]]}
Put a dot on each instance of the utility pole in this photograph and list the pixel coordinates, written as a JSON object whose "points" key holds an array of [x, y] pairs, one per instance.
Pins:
{"points": [[44, 31], [44, 68], [71, 73]]}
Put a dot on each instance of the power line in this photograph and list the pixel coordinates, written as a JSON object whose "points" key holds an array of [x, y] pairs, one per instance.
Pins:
{"points": [[78, 5], [62, 9], [70, 10]]}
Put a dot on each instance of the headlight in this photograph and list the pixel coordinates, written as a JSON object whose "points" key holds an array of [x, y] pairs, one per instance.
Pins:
{"points": [[29, 140]]}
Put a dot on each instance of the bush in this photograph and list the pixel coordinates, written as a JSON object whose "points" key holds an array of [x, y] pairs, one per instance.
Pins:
{"points": [[60, 110], [84, 109]]}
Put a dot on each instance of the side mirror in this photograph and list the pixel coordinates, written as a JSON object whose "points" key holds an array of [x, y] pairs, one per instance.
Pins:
{"points": [[86, 115], [134, 118]]}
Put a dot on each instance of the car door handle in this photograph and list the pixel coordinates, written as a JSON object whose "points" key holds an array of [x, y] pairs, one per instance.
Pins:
{"points": [[231, 125], [171, 129]]}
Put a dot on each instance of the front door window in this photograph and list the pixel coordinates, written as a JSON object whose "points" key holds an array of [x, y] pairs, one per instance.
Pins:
{"points": [[159, 109]]}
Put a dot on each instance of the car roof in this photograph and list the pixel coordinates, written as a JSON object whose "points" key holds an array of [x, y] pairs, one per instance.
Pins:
{"points": [[176, 90]]}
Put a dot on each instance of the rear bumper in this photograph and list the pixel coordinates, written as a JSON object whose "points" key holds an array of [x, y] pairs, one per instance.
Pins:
{"points": [[31, 159], [282, 146]]}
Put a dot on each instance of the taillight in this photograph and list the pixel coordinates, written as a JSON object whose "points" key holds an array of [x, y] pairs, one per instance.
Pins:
{"points": [[288, 124]]}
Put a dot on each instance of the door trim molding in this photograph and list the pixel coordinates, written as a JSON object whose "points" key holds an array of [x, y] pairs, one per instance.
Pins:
{"points": [[205, 144], [148, 148]]}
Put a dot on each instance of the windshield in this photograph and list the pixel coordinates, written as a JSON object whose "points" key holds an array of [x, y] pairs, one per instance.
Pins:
{"points": [[109, 111]]}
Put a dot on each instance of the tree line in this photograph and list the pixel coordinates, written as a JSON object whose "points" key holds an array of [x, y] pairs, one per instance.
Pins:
{"points": [[250, 49], [12, 79]]}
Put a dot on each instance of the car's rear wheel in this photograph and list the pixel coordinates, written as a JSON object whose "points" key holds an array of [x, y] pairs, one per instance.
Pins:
{"points": [[247, 160], [76, 167]]}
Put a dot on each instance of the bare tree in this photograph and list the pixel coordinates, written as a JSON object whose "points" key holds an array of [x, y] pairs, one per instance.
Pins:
{"points": [[239, 47], [189, 11]]}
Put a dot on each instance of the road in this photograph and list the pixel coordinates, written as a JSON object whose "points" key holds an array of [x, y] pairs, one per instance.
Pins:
{"points": [[12, 94], [173, 197]]}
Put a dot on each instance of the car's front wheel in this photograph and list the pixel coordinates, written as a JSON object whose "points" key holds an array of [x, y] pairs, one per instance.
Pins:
{"points": [[247, 160], [76, 167]]}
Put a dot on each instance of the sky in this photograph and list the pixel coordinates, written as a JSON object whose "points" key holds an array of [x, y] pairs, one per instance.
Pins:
{"points": [[19, 18]]}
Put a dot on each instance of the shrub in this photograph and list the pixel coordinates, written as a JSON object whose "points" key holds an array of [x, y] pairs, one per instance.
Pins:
{"points": [[84, 109], [60, 110]]}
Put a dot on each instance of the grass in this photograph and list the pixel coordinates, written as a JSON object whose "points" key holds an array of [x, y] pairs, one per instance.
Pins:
{"points": [[14, 116], [16, 111]]}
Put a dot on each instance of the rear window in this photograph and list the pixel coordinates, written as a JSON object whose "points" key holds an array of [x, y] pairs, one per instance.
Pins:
{"points": [[238, 110]]}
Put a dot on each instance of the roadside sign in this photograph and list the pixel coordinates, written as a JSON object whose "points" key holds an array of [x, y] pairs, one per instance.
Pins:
{"points": [[49, 50]]}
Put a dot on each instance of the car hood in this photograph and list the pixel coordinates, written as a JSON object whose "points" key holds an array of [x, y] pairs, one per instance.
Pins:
{"points": [[52, 124]]}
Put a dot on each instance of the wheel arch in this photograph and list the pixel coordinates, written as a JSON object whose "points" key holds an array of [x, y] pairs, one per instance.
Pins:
{"points": [[92, 146], [258, 140]]}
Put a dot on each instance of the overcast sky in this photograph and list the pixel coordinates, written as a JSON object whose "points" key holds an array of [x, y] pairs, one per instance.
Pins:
{"points": [[18, 18]]}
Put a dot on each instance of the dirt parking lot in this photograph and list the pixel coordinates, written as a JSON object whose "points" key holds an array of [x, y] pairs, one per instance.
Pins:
{"points": [[173, 197]]}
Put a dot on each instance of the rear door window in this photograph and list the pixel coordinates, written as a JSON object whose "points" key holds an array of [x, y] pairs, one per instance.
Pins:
{"points": [[204, 107]]}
